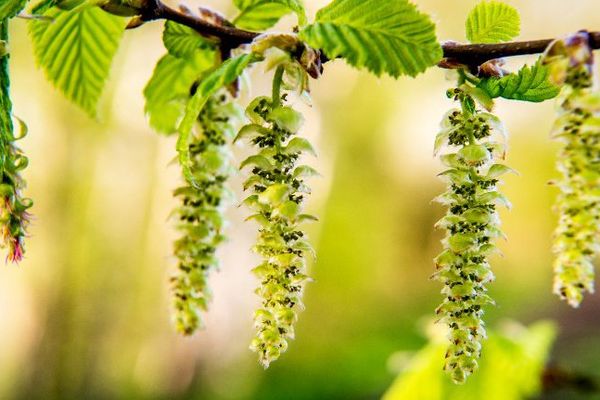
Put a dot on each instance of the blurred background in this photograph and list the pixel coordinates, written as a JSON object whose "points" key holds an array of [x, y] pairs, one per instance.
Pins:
{"points": [[87, 314]]}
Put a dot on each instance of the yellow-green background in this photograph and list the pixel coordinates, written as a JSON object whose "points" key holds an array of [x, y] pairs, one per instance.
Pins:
{"points": [[86, 315]]}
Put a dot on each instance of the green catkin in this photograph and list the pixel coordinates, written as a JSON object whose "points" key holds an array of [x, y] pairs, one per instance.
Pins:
{"points": [[278, 192], [472, 226], [14, 218], [200, 218], [577, 236]]}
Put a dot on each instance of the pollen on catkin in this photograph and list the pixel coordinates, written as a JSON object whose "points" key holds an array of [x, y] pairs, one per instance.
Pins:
{"points": [[277, 183], [472, 225], [577, 235], [200, 215]]}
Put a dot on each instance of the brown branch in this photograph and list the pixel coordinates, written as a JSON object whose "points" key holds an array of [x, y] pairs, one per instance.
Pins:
{"points": [[477, 54], [555, 379], [229, 37], [468, 54]]}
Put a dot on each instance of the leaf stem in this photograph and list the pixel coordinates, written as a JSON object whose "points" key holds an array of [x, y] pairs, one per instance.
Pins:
{"points": [[277, 80]]}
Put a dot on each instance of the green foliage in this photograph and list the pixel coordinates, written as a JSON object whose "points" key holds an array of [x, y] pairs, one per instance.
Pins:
{"points": [[224, 75], [471, 224], [511, 368], [182, 41], [169, 90], [43, 6], [75, 45], [380, 35], [76, 50], [200, 217], [276, 204], [69, 4], [259, 15], [10, 8], [493, 22], [532, 84], [122, 8]]}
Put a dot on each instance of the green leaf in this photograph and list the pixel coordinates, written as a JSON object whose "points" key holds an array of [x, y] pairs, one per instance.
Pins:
{"points": [[524, 349], [380, 35], [182, 41], [227, 72], [42, 7], [529, 84], [493, 22], [259, 15], [168, 91], [76, 50], [10, 8]]}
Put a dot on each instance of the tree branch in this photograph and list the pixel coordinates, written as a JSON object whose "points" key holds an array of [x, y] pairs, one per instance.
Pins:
{"points": [[555, 379], [477, 54], [228, 36], [468, 54]]}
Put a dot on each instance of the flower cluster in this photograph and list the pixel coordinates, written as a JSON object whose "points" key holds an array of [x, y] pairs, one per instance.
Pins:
{"points": [[471, 225], [278, 192], [14, 218], [200, 216], [577, 236]]}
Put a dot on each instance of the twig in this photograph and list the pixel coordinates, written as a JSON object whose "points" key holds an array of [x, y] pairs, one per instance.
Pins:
{"points": [[468, 54], [228, 36], [477, 54], [555, 379]]}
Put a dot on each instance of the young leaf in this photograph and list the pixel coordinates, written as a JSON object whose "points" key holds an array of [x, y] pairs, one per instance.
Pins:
{"points": [[529, 84], [76, 50], [182, 41], [10, 8], [493, 22], [70, 4], [168, 91], [41, 7], [380, 35], [227, 72], [258, 15]]}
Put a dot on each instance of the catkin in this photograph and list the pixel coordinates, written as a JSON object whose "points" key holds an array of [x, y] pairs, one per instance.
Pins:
{"points": [[277, 183], [200, 218], [472, 225]]}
